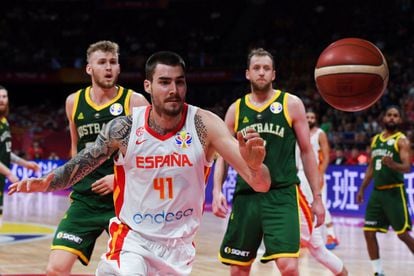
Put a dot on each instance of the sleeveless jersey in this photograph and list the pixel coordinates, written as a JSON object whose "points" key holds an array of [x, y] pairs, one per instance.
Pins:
{"points": [[314, 140], [5, 151], [160, 182], [89, 119], [380, 147], [273, 123]]}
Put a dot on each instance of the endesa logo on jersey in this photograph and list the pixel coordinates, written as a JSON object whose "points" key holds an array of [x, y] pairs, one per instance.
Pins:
{"points": [[161, 217], [158, 161]]}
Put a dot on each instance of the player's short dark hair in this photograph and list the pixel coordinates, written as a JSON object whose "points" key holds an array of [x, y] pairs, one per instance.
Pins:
{"points": [[162, 57]]}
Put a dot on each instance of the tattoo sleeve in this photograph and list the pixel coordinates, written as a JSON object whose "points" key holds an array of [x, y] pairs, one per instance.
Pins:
{"points": [[114, 136], [201, 129]]}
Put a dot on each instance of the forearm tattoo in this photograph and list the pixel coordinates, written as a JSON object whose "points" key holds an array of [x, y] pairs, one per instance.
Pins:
{"points": [[201, 129], [114, 136]]}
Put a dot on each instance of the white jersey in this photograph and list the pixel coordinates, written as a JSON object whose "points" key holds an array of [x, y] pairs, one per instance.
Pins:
{"points": [[314, 140], [160, 182]]}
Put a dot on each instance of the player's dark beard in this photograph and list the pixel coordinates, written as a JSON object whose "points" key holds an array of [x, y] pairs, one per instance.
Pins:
{"points": [[311, 124], [391, 127], [4, 112], [263, 88]]}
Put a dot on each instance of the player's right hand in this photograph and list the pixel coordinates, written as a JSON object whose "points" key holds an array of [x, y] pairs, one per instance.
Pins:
{"points": [[31, 185], [360, 197], [219, 205]]}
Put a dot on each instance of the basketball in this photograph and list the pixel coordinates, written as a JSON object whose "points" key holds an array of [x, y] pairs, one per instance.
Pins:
{"points": [[351, 74]]}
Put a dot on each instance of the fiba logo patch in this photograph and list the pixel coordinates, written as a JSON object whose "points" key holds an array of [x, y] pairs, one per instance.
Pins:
{"points": [[116, 109], [183, 139], [276, 108], [391, 142]]}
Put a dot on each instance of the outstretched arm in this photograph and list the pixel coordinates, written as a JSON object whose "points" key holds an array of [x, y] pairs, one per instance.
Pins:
{"points": [[114, 136], [25, 163], [245, 156]]}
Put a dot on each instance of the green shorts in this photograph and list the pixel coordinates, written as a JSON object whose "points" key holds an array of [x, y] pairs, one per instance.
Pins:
{"points": [[79, 229], [387, 207], [273, 216]]}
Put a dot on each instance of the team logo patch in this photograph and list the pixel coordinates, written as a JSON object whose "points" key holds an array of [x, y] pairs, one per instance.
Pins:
{"points": [[276, 108], [116, 109], [14, 232], [183, 139], [391, 142]]}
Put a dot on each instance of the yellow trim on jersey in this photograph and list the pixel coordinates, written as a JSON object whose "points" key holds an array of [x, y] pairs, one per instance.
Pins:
{"points": [[4, 120], [127, 103], [281, 255], [263, 107], [100, 107], [389, 186], [286, 111], [233, 262], [406, 217], [375, 229], [374, 140], [71, 250], [75, 104], [236, 115], [396, 135]]}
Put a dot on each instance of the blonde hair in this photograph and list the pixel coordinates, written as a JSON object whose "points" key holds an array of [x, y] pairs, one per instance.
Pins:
{"points": [[104, 46]]}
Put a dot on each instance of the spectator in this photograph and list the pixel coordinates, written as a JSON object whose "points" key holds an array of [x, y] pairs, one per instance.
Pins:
{"points": [[53, 156], [353, 157], [35, 151], [339, 158]]}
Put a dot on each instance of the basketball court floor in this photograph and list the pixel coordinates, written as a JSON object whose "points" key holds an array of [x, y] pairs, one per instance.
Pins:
{"points": [[30, 221]]}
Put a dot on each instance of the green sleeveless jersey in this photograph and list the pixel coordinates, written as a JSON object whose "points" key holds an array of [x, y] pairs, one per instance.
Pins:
{"points": [[273, 123], [381, 147], [89, 119], [5, 151]]}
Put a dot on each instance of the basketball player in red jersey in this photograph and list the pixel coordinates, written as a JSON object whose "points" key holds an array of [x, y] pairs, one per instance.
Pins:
{"points": [[165, 152]]}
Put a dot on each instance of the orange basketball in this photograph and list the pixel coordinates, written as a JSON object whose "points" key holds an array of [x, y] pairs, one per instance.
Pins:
{"points": [[351, 74]]}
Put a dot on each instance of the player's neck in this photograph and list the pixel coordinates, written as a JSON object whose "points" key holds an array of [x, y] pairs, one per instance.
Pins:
{"points": [[388, 133], [162, 123], [313, 130], [101, 95], [261, 97]]}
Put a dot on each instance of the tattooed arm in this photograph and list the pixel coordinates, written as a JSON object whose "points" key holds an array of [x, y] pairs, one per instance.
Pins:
{"points": [[114, 136]]}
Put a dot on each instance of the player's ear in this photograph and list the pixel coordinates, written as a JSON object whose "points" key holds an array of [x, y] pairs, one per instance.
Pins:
{"points": [[147, 86], [88, 69], [247, 75], [274, 75]]}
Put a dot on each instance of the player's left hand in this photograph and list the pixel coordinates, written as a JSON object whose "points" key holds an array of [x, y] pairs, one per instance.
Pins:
{"points": [[219, 205], [104, 186], [318, 210], [31, 185], [387, 161], [252, 148]]}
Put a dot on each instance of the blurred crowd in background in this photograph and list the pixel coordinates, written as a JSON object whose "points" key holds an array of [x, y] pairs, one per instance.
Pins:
{"points": [[214, 37]]}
